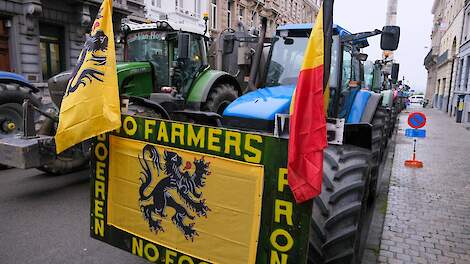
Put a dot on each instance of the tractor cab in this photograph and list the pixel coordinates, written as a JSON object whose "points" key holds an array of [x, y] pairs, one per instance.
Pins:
{"points": [[175, 54], [257, 110], [284, 62]]}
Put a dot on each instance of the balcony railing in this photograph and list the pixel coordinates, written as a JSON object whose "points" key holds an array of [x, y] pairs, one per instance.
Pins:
{"points": [[441, 59], [273, 5]]}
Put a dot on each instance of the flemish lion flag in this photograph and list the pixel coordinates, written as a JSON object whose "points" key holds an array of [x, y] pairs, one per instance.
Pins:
{"points": [[308, 121], [91, 102]]}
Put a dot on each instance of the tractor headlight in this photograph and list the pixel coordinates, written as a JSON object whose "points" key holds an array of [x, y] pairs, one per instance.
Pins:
{"points": [[165, 25], [159, 24]]}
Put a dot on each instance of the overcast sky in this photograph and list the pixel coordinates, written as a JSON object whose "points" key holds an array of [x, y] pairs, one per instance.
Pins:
{"points": [[415, 21]]}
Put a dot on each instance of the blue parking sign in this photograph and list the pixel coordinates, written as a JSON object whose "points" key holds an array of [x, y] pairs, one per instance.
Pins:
{"points": [[419, 133]]}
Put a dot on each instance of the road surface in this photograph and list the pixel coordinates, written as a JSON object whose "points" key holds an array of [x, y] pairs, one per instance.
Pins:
{"points": [[45, 219]]}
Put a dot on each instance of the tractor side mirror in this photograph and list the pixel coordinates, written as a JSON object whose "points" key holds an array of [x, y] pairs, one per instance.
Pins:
{"points": [[288, 41], [390, 38], [183, 46], [361, 56]]}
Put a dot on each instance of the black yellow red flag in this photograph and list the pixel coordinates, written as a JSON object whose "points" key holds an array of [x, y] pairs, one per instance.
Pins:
{"points": [[307, 137], [91, 102]]}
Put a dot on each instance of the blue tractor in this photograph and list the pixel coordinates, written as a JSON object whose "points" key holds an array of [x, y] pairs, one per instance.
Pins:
{"points": [[14, 91], [355, 133]]}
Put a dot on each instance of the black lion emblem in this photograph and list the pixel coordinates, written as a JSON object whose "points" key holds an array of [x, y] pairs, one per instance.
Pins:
{"points": [[186, 185], [94, 43]]}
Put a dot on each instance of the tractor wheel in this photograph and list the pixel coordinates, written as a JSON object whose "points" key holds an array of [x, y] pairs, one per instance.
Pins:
{"points": [[337, 213], [74, 159], [11, 110], [379, 137], [394, 120], [220, 97], [387, 126], [71, 160]]}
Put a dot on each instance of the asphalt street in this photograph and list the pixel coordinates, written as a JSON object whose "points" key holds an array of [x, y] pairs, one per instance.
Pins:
{"points": [[45, 219]]}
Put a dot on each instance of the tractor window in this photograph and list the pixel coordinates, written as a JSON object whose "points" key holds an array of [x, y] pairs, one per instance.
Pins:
{"points": [[377, 78], [145, 45], [347, 70], [286, 59], [154, 47], [195, 53], [368, 75]]}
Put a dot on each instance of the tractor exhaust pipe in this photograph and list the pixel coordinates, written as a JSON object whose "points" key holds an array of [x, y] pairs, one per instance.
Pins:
{"points": [[257, 57]]}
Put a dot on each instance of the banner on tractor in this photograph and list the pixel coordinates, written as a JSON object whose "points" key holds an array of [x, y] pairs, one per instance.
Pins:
{"points": [[174, 192]]}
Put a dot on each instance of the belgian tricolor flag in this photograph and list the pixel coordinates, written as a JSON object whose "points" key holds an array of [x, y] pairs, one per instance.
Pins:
{"points": [[307, 116]]}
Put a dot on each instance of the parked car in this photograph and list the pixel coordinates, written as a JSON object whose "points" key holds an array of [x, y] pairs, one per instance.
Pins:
{"points": [[417, 99]]}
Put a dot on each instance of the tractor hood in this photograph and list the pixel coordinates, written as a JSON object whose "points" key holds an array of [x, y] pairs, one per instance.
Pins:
{"points": [[132, 66], [263, 103], [257, 110], [57, 84]]}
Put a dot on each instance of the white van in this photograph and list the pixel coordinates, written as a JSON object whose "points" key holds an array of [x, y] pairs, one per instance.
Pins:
{"points": [[417, 99]]}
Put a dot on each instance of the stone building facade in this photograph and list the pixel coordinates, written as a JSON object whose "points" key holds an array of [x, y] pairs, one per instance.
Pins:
{"points": [[226, 13], [179, 11], [430, 60], [40, 38], [461, 93], [448, 19]]}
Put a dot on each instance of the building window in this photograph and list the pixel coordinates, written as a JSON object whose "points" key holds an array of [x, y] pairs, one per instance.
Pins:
{"points": [[153, 2], [241, 12], [254, 19], [291, 7], [50, 43], [179, 3], [4, 48], [295, 10], [159, 3], [213, 14], [229, 14], [467, 26]]}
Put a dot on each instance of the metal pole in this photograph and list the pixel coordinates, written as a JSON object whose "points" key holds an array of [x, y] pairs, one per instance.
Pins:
{"points": [[254, 71], [414, 149], [391, 18]]}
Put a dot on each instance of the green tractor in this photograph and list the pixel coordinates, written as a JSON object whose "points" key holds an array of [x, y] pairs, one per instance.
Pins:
{"points": [[166, 74]]}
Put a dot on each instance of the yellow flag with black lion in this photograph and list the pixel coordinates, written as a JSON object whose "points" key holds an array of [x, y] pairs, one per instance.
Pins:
{"points": [[91, 102]]}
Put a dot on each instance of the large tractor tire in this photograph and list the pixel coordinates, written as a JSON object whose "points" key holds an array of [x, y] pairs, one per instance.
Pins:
{"points": [[337, 214], [11, 112], [379, 138], [378, 135], [394, 120], [73, 159], [220, 97], [387, 125]]}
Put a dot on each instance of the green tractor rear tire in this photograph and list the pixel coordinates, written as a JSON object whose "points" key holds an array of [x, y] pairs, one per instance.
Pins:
{"points": [[337, 213], [220, 97]]}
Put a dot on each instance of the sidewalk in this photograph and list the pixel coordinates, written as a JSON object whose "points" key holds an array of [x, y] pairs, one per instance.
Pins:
{"points": [[428, 209]]}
